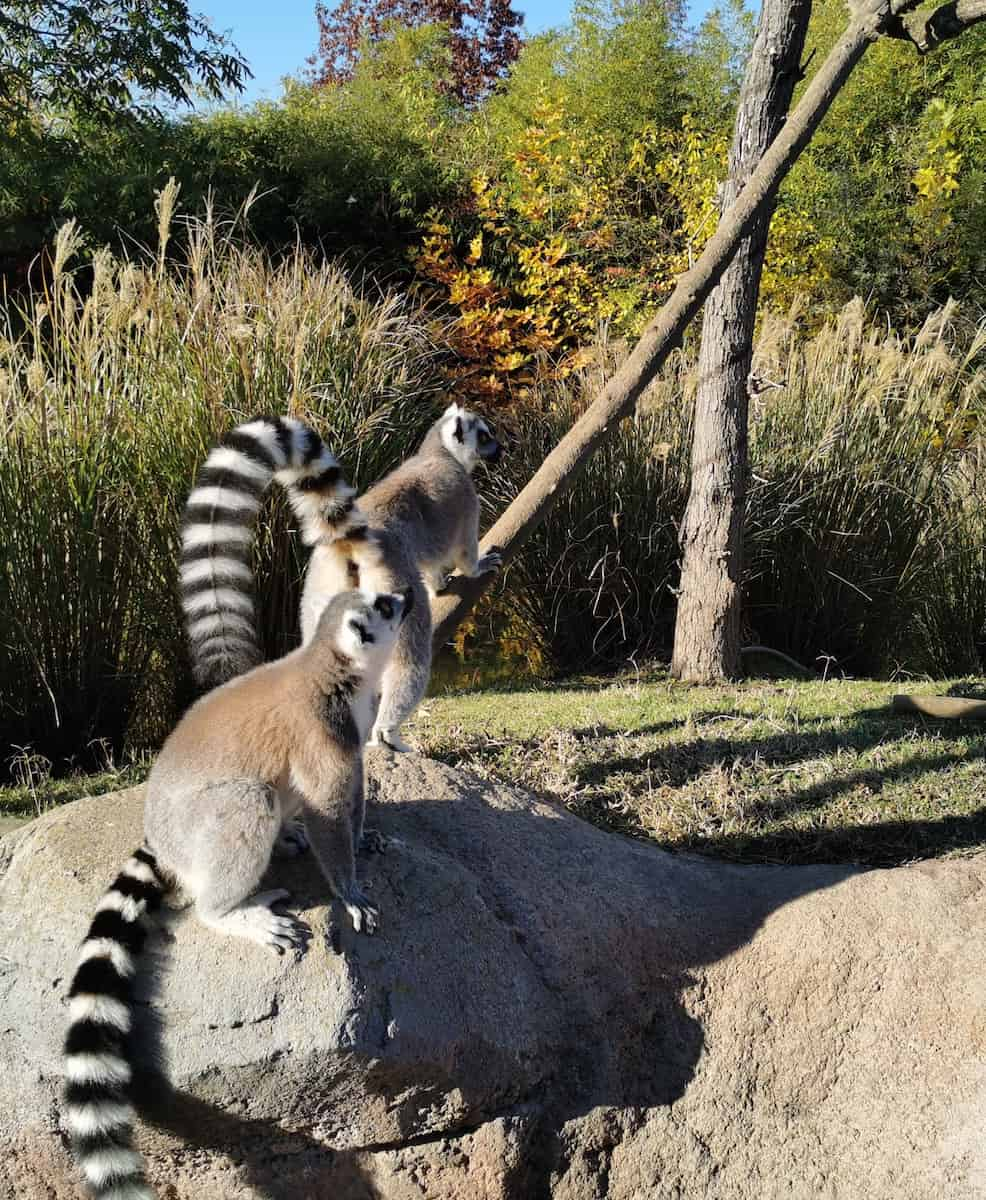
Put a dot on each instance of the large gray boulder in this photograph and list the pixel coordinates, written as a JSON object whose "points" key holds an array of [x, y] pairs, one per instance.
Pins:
{"points": [[548, 1011]]}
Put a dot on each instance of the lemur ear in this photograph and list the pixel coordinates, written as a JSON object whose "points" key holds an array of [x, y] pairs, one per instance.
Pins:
{"points": [[459, 435]]}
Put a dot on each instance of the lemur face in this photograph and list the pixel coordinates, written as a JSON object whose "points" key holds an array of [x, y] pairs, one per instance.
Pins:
{"points": [[372, 620], [469, 438], [363, 624]]}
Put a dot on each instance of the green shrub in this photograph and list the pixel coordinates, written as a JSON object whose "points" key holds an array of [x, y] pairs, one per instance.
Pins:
{"points": [[853, 467], [349, 169]]}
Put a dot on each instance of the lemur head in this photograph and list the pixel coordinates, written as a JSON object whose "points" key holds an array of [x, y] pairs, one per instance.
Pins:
{"points": [[468, 438], [363, 625]]}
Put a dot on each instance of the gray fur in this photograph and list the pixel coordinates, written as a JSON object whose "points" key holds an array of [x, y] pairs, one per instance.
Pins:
{"points": [[423, 521]]}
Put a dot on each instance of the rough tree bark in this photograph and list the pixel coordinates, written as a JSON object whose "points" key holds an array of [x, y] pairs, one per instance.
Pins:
{"points": [[707, 629], [869, 19]]}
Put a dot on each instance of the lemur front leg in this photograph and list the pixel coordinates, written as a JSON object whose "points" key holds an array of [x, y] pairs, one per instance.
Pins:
{"points": [[469, 562], [223, 871], [467, 559], [366, 841], [332, 807]]}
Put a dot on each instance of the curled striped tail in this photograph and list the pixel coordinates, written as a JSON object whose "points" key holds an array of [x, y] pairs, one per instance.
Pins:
{"points": [[217, 533], [99, 1111]]}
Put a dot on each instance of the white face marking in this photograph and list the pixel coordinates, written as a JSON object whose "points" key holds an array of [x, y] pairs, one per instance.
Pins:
{"points": [[463, 452], [352, 642]]}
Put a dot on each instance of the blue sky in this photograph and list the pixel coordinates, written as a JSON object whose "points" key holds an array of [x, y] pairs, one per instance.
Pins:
{"points": [[277, 37]]}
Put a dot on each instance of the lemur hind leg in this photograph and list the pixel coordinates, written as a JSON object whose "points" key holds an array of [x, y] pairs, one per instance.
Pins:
{"points": [[405, 680], [224, 872]]}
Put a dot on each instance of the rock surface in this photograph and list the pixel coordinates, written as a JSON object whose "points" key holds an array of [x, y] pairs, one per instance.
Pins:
{"points": [[548, 1011]]}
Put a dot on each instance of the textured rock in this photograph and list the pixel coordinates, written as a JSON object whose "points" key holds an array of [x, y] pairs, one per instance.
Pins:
{"points": [[548, 1011]]}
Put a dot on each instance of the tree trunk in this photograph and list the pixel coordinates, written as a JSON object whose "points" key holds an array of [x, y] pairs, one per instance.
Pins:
{"points": [[558, 472], [707, 631]]}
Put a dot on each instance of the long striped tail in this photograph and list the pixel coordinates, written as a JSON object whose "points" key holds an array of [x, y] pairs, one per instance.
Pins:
{"points": [[99, 1110], [217, 533]]}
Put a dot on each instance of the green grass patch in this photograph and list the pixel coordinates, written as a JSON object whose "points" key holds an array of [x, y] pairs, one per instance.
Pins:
{"points": [[765, 771], [768, 771], [35, 791]]}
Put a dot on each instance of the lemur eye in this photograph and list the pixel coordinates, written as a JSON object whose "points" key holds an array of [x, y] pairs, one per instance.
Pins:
{"points": [[384, 606]]}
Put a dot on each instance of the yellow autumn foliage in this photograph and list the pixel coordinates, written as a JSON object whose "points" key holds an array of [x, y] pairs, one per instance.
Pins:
{"points": [[572, 234]]}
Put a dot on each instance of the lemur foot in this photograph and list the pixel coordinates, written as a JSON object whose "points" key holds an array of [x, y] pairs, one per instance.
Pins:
{"points": [[489, 562], [364, 915], [373, 842], [256, 920], [292, 840], [391, 739]]}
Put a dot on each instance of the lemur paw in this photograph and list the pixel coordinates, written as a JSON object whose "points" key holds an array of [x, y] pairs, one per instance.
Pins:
{"points": [[277, 931], [364, 915], [391, 739], [489, 562], [292, 840], [373, 842]]}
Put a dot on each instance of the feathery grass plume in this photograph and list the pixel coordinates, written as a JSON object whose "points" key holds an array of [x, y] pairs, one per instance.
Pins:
{"points": [[591, 586], [862, 505], [116, 381], [854, 462]]}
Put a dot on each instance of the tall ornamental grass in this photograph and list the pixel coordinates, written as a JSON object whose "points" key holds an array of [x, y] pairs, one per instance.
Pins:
{"points": [[116, 376], [866, 508]]}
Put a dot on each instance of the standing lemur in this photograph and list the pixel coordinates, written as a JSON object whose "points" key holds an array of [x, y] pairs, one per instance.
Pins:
{"points": [[412, 528], [282, 739]]}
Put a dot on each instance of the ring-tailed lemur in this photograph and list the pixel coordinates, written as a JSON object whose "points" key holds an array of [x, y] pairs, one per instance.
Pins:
{"points": [[284, 738], [423, 522], [413, 527]]}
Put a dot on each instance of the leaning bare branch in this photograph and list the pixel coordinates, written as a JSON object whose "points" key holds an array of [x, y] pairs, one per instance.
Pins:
{"points": [[927, 30]]}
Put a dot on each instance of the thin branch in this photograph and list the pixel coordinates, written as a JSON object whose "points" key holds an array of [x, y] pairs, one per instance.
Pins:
{"points": [[927, 30]]}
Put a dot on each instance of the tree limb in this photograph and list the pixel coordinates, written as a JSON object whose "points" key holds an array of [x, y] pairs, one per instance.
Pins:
{"points": [[927, 30]]}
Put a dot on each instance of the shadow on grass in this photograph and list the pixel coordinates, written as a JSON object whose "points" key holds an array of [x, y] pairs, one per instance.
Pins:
{"points": [[678, 764]]}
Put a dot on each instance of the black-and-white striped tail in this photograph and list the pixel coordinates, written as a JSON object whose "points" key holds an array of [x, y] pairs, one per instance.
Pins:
{"points": [[217, 533], [99, 1112]]}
